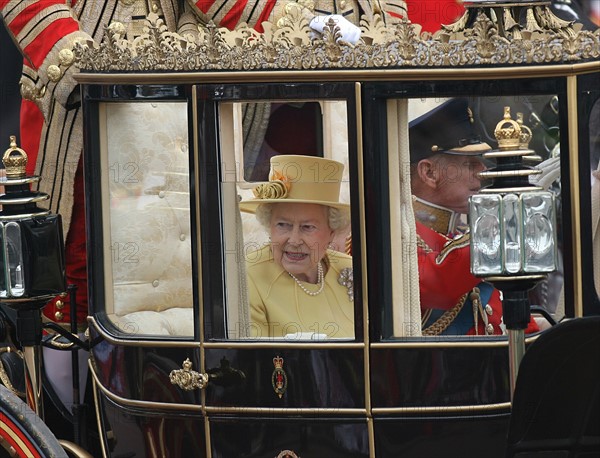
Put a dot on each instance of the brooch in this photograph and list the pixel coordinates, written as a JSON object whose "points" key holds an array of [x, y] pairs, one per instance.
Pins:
{"points": [[346, 279]]}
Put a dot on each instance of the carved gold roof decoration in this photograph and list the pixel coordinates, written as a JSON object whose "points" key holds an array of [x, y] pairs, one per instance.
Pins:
{"points": [[489, 33]]}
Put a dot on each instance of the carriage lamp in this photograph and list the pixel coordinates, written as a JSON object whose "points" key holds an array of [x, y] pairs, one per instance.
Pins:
{"points": [[513, 231], [32, 267]]}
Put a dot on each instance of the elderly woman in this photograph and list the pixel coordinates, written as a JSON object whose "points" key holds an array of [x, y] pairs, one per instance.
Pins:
{"points": [[298, 286]]}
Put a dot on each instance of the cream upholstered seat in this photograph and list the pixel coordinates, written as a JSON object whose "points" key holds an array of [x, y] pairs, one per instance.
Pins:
{"points": [[152, 287], [148, 266]]}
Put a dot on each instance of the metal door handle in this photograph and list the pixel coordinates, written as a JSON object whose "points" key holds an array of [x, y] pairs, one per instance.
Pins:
{"points": [[188, 379]]}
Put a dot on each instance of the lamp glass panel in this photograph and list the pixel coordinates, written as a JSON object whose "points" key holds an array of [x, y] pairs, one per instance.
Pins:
{"points": [[3, 273], [14, 259], [539, 232], [512, 233], [485, 214]]}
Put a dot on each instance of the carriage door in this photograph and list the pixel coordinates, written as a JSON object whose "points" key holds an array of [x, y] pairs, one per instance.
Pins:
{"points": [[143, 297], [280, 387]]}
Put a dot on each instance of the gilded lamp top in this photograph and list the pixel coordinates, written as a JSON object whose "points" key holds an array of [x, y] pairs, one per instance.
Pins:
{"points": [[14, 160]]}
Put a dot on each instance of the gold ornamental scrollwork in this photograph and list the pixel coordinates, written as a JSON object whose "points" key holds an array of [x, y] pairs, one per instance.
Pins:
{"points": [[543, 39], [188, 379]]}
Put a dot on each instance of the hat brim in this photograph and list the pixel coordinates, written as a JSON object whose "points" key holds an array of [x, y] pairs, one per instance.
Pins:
{"points": [[475, 149], [249, 206]]}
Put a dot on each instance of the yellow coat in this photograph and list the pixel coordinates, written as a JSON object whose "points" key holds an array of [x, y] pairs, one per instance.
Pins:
{"points": [[278, 306]]}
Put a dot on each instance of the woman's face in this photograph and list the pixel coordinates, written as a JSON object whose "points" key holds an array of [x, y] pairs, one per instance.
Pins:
{"points": [[300, 235]]}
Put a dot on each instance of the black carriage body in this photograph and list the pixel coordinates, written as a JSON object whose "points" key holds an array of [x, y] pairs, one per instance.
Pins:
{"points": [[380, 394]]}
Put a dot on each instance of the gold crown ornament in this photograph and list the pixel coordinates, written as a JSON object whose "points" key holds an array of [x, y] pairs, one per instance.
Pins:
{"points": [[14, 160], [526, 133], [508, 132]]}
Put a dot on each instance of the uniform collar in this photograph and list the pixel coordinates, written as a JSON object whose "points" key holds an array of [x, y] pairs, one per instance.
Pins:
{"points": [[436, 217]]}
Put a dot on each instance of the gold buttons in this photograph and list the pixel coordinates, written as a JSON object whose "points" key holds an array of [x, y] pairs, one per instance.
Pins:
{"points": [[118, 28], [343, 4], [54, 73], [489, 329], [59, 316], [59, 305], [66, 57], [155, 283], [488, 309]]}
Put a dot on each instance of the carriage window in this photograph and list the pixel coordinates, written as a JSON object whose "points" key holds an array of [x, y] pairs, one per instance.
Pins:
{"points": [[147, 251], [288, 271], [444, 154]]}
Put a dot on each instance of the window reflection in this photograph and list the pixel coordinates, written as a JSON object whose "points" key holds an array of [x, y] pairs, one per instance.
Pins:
{"points": [[147, 224], [446, 140], [295, 281], [273, 128], [594, 129]]}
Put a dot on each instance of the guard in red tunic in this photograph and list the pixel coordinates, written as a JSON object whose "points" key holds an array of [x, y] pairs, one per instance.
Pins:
{"points": [[445, 162]]}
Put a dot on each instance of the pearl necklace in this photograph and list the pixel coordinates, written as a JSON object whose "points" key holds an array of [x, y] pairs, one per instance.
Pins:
{"points": [[320, 280]]}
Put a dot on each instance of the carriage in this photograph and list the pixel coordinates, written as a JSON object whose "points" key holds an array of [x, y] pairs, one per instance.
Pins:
{"points": [[173, 369]]}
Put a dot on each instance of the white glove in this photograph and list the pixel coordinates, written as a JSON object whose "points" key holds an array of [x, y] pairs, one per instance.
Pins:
{"points": [[550, 173], [349, 31]]}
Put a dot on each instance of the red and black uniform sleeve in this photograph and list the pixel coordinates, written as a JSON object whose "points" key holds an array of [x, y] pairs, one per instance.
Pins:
{"points": [[230, 13], [45, 32], [444, 269]]}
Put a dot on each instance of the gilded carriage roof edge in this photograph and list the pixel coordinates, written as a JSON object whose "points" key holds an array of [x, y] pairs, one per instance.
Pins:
{"points": [[488, 34]]}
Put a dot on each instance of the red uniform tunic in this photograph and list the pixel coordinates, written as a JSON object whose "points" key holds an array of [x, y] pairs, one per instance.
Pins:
{"points": [[444, 280]]}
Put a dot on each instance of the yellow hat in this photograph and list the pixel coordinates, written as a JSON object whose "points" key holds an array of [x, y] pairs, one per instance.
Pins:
{"points": [[299, 179]]}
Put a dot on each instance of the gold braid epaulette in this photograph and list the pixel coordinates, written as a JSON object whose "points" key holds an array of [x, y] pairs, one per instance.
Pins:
{"points": [[444, 321], [460, 242]]}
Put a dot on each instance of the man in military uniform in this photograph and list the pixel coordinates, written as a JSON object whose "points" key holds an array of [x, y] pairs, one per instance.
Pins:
{"points": [[446, 158]]}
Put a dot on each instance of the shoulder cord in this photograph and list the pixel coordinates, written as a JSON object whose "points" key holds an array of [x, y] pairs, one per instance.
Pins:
{"points": [[444, 321]]}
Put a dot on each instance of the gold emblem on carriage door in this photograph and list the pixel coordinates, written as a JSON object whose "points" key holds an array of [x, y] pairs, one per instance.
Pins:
{"points": [[279, 377], [287, 454]]}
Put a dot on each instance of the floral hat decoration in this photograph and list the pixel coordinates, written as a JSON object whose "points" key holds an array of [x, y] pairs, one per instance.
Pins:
{"points": [[299, 179]]}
